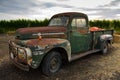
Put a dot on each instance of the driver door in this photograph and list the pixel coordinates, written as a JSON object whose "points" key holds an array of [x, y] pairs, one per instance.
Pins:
{"points": [[79, 36]]}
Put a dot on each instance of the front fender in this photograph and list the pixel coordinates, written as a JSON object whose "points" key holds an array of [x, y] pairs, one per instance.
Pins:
{"points": [[38, 58], [64, 45]]}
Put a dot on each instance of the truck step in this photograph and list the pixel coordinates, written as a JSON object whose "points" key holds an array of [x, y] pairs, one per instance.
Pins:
{"points": [[79, 55]]}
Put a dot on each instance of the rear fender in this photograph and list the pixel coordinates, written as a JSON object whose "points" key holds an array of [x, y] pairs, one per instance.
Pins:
{"points": [[106, 37]]}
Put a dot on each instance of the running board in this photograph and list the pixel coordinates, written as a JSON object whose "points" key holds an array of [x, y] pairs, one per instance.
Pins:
{"points": [[77, 56]]}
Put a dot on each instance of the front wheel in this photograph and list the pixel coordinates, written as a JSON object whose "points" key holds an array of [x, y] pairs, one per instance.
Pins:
{"points": [[104, 48], [51, 63]]}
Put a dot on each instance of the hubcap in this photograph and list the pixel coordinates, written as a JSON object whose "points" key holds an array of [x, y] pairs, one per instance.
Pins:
{"points": [[54, 65]]}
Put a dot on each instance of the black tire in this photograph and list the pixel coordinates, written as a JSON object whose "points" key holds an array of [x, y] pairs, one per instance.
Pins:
{"points": [[51, 63], [104, 48]]}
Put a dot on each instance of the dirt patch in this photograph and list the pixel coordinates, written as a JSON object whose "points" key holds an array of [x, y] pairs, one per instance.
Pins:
{"points": [[4, 44], [92, 67]]}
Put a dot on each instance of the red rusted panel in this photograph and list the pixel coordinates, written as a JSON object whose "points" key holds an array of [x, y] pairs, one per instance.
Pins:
{"points": [[45, 41], [55, 36], [41, 30], [95, 29]]}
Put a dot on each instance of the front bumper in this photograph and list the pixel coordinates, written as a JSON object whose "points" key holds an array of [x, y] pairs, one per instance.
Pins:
{"points": [[13, 53], [24, 67]]}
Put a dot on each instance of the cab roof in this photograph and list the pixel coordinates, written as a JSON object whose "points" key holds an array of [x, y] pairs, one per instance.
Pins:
{"points": [[71, 14]]}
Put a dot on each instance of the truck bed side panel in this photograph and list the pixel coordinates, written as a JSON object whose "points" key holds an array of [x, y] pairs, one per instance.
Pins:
{"points": [[96, 36]]}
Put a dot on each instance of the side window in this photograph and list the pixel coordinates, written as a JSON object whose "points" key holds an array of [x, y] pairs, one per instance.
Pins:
{"points": [[79, 25], [78, 22]]}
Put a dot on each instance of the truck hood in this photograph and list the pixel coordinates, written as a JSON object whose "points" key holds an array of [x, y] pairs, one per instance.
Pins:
{"points": [[43, 43], [27, 33]]}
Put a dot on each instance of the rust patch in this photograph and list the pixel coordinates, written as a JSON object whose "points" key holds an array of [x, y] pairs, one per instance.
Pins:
{"points": [[44, 42], [41, 30], [55, 36]]}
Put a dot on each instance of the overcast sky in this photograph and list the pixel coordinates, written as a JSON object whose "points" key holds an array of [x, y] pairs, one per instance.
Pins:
{"points": [[41, 9]]}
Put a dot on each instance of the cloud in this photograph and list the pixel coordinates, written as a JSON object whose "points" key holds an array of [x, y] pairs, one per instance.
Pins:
{"points": [[62, 0], [50, 4], [106, 11], [31, 9], [16, 6], [8, 16], [112, 3], [36, 9], [23, 7]]}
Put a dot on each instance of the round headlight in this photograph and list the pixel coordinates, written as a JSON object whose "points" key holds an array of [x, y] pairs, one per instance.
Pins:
{"points": [[21, 54]]}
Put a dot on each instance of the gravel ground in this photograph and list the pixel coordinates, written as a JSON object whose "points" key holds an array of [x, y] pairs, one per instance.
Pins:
{"points": [[91, 67]]}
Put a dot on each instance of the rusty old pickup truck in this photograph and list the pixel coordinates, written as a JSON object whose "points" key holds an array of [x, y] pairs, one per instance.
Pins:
{"points": [[66, 38]]}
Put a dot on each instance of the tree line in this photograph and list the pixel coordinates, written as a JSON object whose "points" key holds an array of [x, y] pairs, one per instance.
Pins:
{"points": [[106, 24], [12, 25]]}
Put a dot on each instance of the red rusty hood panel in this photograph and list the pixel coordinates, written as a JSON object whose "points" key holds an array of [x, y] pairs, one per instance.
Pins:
{"points": [[44, 42], [41, 30]]}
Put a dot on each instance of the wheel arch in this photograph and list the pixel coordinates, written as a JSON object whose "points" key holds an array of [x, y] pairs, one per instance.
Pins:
{"points": [[106, 37], [62, 52]]}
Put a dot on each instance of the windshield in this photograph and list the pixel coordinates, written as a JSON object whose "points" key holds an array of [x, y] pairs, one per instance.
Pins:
{"points": [[59, 21]]}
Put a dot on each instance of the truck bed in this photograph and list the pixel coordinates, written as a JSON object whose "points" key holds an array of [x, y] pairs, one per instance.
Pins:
{"points": [[97, 34], [95, 37]]}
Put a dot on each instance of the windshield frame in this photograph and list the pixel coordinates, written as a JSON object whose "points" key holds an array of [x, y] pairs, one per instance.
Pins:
{"points": [[62, 20]]}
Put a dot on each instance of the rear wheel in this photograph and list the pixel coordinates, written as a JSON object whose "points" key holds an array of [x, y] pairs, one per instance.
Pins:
{"points": [[51, 63], [104, 48]]}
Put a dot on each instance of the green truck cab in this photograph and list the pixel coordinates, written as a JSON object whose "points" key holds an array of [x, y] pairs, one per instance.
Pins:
{"points": [[66, 38]]}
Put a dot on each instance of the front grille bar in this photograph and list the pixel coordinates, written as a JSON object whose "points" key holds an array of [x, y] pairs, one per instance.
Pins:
{"points": [[15, 53]]}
